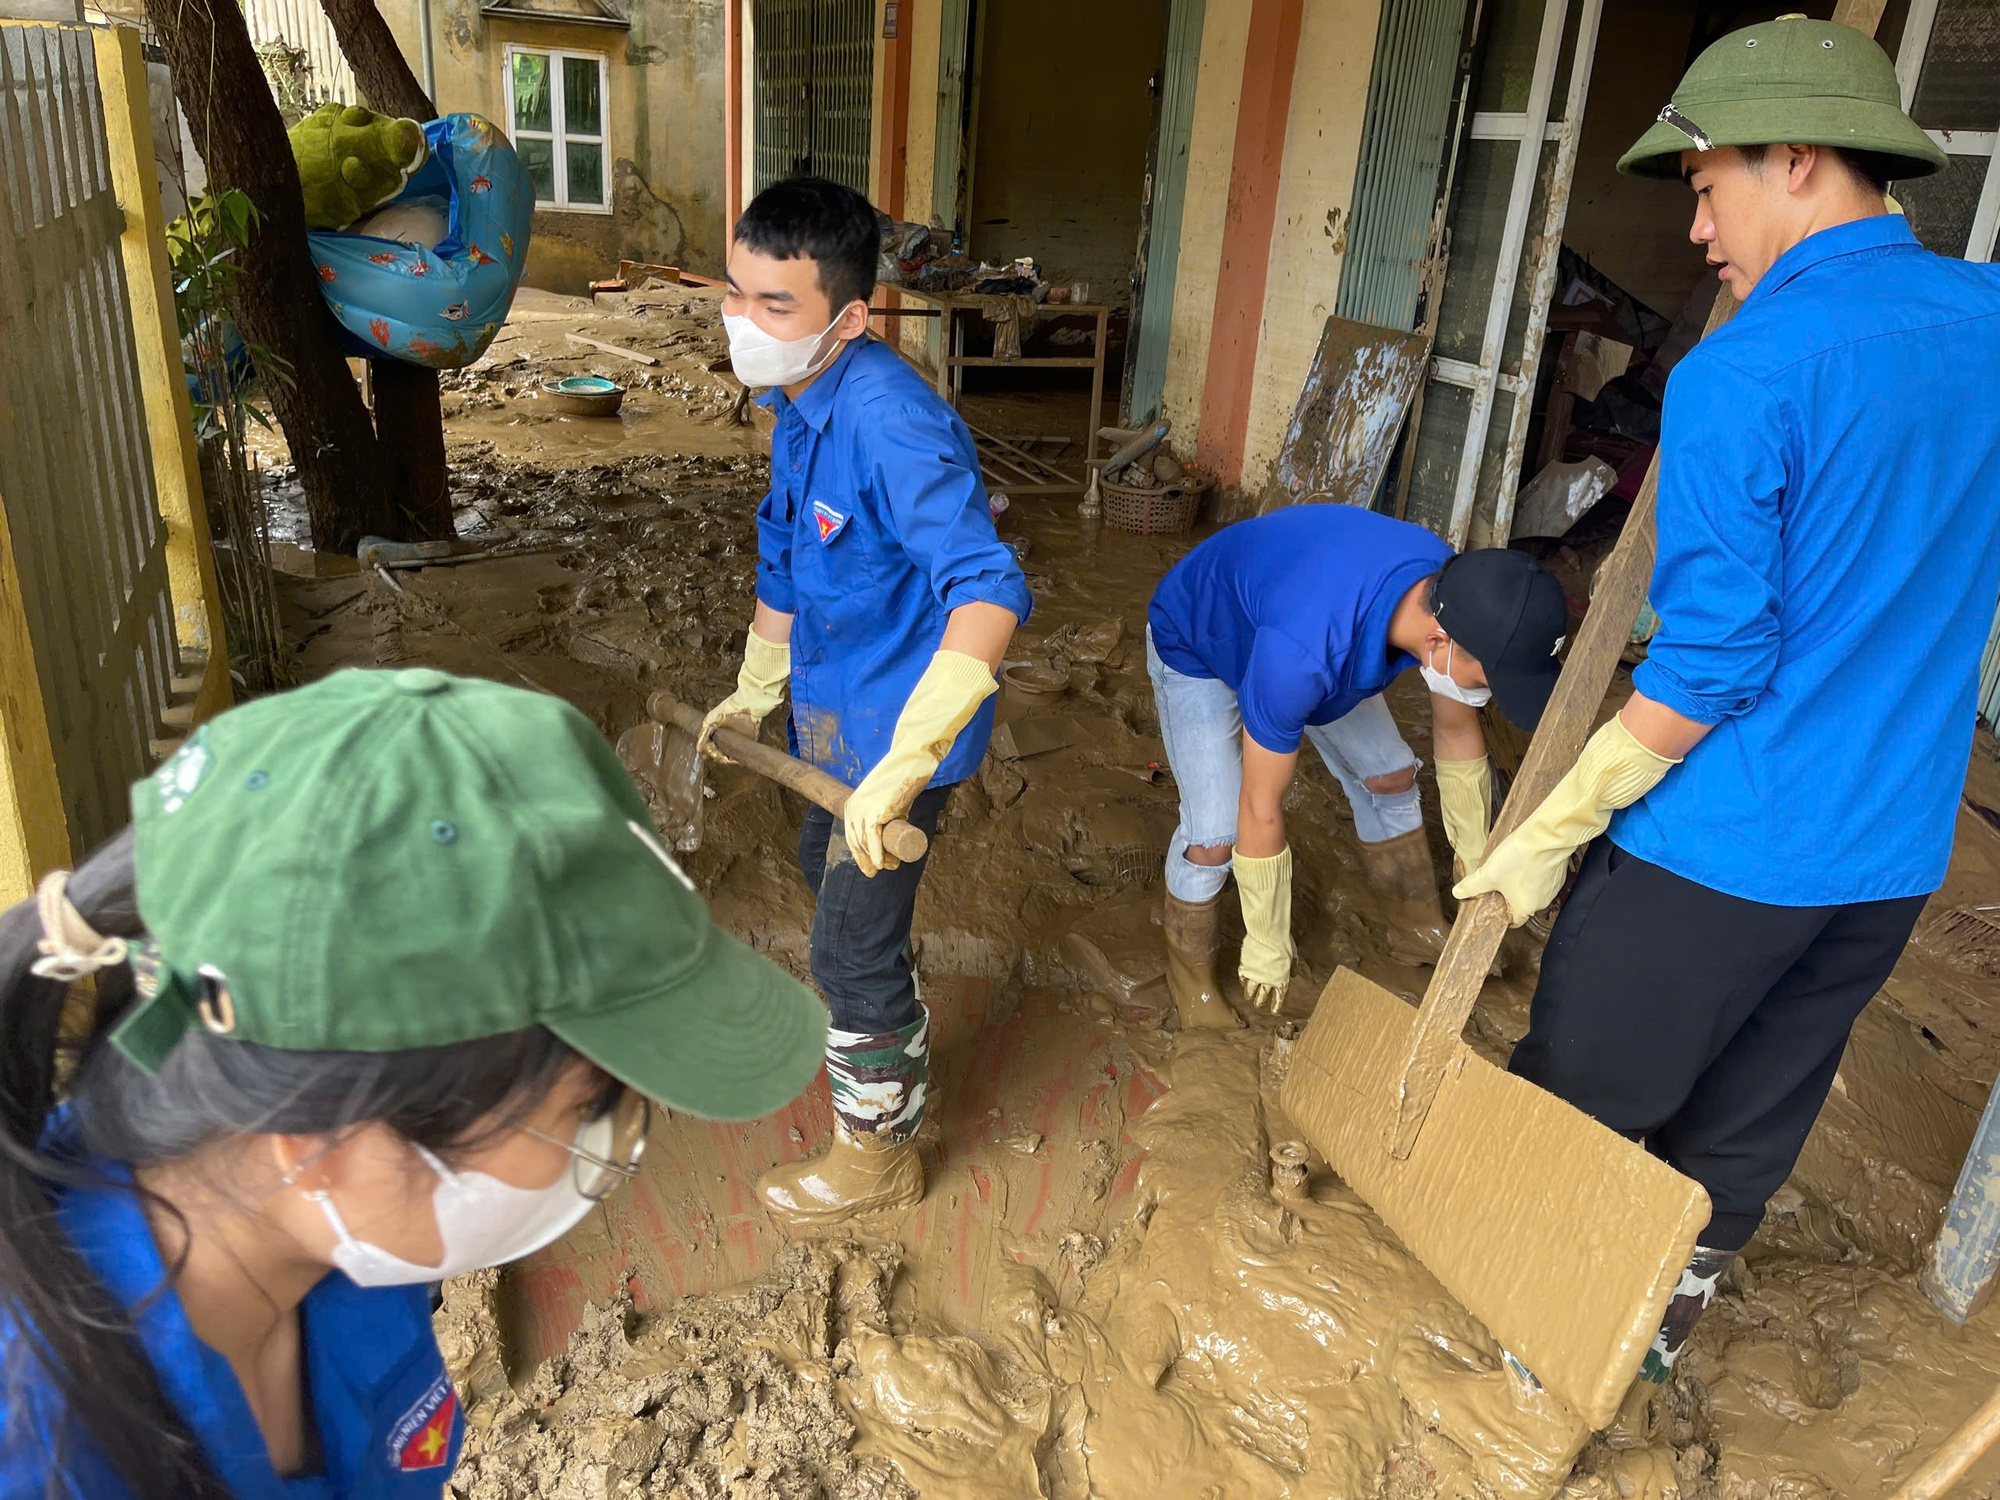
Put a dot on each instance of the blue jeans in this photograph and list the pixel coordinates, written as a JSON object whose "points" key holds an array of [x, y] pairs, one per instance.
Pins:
{"points": [[1203, 731], [860, 951]]}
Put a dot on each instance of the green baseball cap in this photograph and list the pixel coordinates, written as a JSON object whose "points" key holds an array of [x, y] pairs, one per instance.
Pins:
{"points": [[1814, 83], [385, 861]]}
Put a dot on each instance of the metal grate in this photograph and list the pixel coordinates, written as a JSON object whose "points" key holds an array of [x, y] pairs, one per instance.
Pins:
{"points": [[843, 86], [1941, 207], [76, 473], [815, 88], [1959, 88]]}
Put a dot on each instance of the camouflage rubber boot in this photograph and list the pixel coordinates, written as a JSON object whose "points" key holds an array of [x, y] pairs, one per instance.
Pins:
{"points": [[1692, 1295], [879, 1082]]}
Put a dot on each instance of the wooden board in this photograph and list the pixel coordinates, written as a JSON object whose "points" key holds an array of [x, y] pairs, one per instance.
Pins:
{"points": [[1349, 414], [1565, 1239]]}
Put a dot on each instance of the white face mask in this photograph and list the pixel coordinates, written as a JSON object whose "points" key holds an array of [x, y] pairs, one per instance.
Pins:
{"points": [[482, 1221], [761, 360], [1442, 684]]}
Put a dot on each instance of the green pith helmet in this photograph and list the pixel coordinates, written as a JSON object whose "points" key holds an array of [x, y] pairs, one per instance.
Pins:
{"points": [[1788, 81], [386, 861]]}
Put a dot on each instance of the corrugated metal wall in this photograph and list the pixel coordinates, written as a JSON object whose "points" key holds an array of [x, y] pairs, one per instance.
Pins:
{"points": [[815, 89], [1402, 160], [301, 26]]}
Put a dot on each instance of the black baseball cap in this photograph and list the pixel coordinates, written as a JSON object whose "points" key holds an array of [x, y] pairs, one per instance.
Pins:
{"points": [[1505, 609]]}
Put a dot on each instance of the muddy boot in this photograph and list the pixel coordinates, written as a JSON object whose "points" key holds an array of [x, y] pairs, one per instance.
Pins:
{"points": [[1400, 869], [1692, 1295], [858, 1175], [879, 1083], [1194, 939]]}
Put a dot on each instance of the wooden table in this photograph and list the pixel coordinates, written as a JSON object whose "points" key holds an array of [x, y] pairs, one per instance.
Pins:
{"points": [[1011, 466]]}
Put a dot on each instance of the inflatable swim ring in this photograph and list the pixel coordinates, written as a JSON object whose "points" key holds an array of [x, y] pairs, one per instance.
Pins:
{"points": [[437, 307]]}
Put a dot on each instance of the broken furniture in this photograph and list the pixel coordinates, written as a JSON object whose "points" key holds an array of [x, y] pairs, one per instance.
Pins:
{"points": [[1008, 465]]}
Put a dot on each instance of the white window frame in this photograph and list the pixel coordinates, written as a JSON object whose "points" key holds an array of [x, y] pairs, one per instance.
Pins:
{"points": [[558, 136]]}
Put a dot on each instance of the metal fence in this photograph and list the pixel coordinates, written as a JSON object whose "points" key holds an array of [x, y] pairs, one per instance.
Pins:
{"points": [[76, 470], [300, 27]]}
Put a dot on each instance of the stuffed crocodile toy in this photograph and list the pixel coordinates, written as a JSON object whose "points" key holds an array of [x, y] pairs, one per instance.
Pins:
{"points": [[352, 160]]}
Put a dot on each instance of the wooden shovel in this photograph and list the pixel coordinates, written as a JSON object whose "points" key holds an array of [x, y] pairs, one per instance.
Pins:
{"points": [[1562, 1236], [901, 838]]}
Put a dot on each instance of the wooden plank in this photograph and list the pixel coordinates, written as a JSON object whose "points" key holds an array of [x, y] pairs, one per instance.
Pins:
{"points": [[598, 344]]}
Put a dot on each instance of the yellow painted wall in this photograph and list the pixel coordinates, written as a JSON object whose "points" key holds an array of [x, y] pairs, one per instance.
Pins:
{"points": [[664, 106], [1211, 149], [1315, 195]]}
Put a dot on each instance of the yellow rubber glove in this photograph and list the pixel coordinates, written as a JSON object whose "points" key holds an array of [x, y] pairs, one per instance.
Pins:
{"points": [[941, 705], [1264, 886], [760, 687], [1465, 795], [1527, 866]]}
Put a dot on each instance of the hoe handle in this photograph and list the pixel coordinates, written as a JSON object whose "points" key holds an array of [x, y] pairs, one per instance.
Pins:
{"points": [[1559, 738], [1960, 1452], [900, 837]]}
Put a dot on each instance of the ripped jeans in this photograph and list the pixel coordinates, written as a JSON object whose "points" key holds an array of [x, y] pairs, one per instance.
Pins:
{"points": [[1203, 731]]}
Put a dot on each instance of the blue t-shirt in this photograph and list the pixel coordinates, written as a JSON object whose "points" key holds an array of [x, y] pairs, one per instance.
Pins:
{"points": [[876, 528], [388, 1423], [1829, 560], [1292, 610]]}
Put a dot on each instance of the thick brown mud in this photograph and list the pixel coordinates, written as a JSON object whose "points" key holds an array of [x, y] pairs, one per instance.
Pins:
{"points": [[1104, 1293]]}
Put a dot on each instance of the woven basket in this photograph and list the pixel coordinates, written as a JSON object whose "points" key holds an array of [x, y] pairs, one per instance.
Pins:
{"points": [[1162, 510]]}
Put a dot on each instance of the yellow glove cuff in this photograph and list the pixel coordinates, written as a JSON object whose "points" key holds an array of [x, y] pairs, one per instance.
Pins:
{"points": [[1465, 797], [1617, 768], [1264, 885], [766, 669], [941, 705]]}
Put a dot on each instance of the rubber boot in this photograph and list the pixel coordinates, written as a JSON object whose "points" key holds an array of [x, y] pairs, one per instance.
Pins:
{"points": [[1692, 1295], [879, 1082], [1194, 940], [1400, 869]]}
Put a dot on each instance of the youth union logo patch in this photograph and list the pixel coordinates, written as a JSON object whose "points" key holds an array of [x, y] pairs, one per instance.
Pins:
{"points": [[421, 1438], [828, 520]]}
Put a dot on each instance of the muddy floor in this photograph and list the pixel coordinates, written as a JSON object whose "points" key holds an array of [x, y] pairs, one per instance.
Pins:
{"points": [[1103, 1294]]}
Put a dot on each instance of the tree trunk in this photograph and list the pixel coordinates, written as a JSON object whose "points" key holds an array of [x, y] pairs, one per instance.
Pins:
{"points": [[409, 422], [276, 301]]}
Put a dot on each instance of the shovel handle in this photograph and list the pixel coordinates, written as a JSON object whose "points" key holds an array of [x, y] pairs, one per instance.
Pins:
{"points": [[900, 837]]}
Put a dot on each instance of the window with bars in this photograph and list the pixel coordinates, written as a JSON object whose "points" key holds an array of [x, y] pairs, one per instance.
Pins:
{"points": [[555, 116]]}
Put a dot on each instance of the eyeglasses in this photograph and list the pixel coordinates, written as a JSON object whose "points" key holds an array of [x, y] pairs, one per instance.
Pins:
{"points": [[606, 1152]]}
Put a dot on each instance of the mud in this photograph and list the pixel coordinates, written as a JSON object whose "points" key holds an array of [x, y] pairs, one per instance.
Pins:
{"points": [[1103, 1293]]}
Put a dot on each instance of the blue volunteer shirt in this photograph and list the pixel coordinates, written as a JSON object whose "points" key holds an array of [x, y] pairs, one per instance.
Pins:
{"points": [[876, 528], [1829, 560], [388, 1423], [1292, 610]]}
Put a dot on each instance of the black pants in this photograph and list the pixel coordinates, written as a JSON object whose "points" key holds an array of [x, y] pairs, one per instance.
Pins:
{"points": [[1705, 1025], [861, 927]]}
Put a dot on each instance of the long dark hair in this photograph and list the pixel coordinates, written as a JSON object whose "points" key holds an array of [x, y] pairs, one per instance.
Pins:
{"points": [[110, 1397]]}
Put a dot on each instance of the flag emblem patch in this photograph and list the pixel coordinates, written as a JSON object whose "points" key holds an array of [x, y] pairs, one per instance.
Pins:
{"points": [[829, 521], [421, 1438]]}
